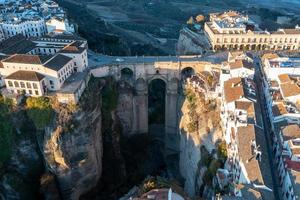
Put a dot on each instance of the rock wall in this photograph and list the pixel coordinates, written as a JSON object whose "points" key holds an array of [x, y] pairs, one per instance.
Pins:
{"points": [[125, 110], [192, 143], [191, 43], [73, 151]]}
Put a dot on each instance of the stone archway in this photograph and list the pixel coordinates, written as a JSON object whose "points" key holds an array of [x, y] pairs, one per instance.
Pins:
{"points": [[127, 75], [187, 72], [142, 103], [157, 89]]}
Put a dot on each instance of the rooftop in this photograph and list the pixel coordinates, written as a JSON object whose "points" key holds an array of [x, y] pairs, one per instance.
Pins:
{"points": [[289, 89], [27, 59], [291, 131], [57, 62], [233, 89], [279, 109], [26, 76], [16, 44], [246, 152]]}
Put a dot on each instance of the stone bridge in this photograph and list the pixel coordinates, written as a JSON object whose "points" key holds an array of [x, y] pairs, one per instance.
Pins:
{"points": [[170, 69]]}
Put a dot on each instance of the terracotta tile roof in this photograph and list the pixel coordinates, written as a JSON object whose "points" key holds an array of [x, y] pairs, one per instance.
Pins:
{"points": [[73, 48], [245, 136], [291, 31], [270, 56], [289, 89], [295, 151], [2, 58], [291, 131], [58, 62], [274, 83], [233, 89], [284, 78], [279, 109], [245, 105], [236, 64], [26, 76], [27, 59]]}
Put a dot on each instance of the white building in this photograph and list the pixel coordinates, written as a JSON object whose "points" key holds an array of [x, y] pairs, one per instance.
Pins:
{"points": [[234, 31], [43, 64], [34, 27], [59, 25]]}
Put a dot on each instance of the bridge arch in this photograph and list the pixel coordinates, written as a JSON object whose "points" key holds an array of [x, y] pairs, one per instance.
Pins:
{"points": [[187, 72], [127, 74], [157, 76]]}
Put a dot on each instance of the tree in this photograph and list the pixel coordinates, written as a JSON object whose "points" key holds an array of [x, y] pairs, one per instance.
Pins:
{"points": [[39, 111], [222, 151]]}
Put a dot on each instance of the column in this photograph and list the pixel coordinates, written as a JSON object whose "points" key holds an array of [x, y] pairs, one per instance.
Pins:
{"points": [[140, 106]]}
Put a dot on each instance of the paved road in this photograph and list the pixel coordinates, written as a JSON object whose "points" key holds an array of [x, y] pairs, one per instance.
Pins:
{"points": [[267, 129]]}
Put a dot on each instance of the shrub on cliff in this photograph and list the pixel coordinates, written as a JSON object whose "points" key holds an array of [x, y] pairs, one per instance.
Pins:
{"points": [[39, 111], [222, 151]]}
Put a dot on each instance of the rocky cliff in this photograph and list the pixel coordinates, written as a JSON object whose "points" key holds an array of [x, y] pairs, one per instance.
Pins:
{"points": [[73, 146], [196, 141], [21, 163], [191, 43]]}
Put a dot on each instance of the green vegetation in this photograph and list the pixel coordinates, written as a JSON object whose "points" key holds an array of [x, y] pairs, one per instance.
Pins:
{"points": [[222, 151], [6, 130], [154, 183], [191, 97], [211, 163], [39, 111]]}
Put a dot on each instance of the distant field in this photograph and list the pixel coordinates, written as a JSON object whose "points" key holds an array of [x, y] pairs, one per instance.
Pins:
{"points": [[152, 27]]}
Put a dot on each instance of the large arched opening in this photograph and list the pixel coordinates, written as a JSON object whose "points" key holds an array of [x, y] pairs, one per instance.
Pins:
{"points": [[156, 102]]}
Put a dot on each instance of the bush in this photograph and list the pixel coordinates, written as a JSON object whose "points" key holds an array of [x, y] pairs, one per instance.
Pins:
{"points": [[222, 151], [39, 111]]}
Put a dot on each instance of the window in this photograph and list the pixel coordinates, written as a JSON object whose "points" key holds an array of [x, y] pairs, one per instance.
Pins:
{"points": [[16, 84], [30, 92], [34, 85], [10, 84], [22, 84], [36, 92], [51, 82], [28, 85]]}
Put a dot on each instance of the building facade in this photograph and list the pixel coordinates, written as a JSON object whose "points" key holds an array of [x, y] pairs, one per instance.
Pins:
{"points": [[234, 31], [43, 64]]}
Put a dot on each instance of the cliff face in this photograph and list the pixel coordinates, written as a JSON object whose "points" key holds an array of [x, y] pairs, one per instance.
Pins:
{"points": [[193, 142], [73, 148], [191, 43], [125, 108]]}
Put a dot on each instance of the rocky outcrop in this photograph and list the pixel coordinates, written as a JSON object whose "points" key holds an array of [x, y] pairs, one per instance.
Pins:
{"points": [[19, 176], [191, 43], [73, 149], [192, 143]]}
